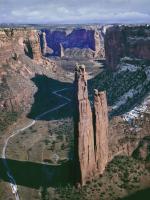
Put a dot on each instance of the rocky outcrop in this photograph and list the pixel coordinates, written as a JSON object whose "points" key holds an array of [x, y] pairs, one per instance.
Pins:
{"points": [[34, 42], [126, 41], [97, 45], [91, 142], [75, 39], [19, 41], [143, 150]]}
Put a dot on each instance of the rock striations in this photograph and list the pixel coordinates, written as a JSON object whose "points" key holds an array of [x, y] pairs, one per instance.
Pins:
{"points": [[19, 41], [91, 142], [34, 42]]}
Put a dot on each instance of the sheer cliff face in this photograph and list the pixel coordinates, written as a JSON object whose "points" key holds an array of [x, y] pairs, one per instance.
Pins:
{"points": [[126, 41], [91, 147], [75, 39], [19, 41]]}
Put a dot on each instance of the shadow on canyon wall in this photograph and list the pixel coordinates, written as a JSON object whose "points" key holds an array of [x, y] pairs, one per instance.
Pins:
{"points": [[35, 175], [45, 99]]}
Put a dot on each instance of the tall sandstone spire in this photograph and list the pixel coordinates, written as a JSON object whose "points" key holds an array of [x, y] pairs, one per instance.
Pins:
{"points": [[34, 42], [84, 140], [101, 130], [91, 143]]}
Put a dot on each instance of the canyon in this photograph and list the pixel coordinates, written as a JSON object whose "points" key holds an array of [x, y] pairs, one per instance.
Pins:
{"points": [[72, 42], [20, 60], [96, 138]]}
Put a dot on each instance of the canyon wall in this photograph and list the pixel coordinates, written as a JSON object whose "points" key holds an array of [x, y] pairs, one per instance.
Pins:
{"points": [[20, 60], [126, 41], [91, 142], [19, 41], [77, 39]]}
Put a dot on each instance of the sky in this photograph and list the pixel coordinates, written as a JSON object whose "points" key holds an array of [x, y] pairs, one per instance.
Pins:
{"points": [[74, 11]]}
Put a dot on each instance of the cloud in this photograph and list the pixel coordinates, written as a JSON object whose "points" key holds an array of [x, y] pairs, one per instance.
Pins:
{"points": [[74, 11]]}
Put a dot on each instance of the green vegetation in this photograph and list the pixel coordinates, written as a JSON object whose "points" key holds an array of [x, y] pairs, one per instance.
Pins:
{"points": [[122, 176], [118, 83]]}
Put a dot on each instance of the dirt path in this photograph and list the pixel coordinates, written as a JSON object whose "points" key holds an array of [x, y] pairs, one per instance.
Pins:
{"points": [[13, 184]]}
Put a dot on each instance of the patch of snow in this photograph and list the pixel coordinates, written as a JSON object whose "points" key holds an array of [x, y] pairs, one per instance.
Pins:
{"points": [[124, 67], [137, 111], [126, 59], [123, 99]]}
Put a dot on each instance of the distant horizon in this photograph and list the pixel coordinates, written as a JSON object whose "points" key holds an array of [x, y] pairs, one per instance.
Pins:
{"points": [[74, 12], [75, 23]]}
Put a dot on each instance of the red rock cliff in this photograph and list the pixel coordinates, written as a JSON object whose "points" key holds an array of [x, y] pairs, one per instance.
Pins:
{"points": [[130, 41], [82, 38], [19, 41]]}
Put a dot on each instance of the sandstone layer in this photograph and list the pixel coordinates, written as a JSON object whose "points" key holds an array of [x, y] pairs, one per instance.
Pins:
{"points": [[19, 41], [20, 60], [91, 142], [101, 130]]}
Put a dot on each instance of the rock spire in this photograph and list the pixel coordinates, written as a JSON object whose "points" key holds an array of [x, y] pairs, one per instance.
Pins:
{"points": [[91, 142]]}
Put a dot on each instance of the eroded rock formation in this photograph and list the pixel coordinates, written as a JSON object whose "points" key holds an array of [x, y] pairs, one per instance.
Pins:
{"points": [[34, 41], [20, 60], [74, 40], [84, 140], [101, 130], [91, 142], [19, 41]]}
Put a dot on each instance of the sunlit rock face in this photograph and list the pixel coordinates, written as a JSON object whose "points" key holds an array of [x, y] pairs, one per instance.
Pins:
{"points": [[91, 142], [130, 41], [19, 41], [20, 60]]}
